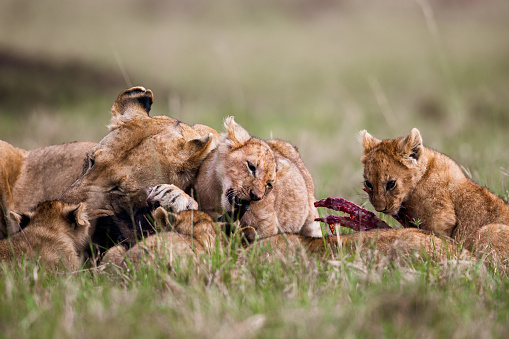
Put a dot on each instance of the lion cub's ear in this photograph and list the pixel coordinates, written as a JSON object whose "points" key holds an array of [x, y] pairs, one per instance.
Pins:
{"points": [[236, 134], [368, 141], [411, 146], [131, 104], [21, 219], [76, 214], [162, 219]]}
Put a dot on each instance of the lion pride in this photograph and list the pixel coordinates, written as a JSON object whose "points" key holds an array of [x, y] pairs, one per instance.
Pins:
{"points": [[112, 176]]}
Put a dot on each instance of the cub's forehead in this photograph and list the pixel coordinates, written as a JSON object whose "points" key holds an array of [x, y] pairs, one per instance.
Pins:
{"points": [[254, 149], [257, 153], [268, 162], [379, 161], [53, 208]]}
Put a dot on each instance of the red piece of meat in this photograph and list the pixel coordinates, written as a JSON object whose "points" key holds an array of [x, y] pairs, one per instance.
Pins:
{"points": [[358, 219]]}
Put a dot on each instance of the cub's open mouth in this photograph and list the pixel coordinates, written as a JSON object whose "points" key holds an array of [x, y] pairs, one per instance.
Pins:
{"points": [[239, 207], [235, 201]]}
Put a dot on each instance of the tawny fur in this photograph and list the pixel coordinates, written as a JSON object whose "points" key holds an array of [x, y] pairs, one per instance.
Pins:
{"points": [[270, 175], [28, 178], [185, 233], [56, 234], [188, 234], [431, 191], [11, 162], [391, 243]]}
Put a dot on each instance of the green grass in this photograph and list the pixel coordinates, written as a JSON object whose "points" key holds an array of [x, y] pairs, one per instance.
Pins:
{"points": [[313, 74], [298, 297]]}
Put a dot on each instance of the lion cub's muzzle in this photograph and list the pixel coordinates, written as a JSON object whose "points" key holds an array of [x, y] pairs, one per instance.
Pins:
{"points": [[235, 201], [238, 207], [254, 196]]}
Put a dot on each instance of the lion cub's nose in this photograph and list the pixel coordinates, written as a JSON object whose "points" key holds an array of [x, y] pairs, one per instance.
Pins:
{"points": [[254, 196]]}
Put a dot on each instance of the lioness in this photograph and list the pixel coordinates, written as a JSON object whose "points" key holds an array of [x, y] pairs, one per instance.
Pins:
{"points": [[28, 178], [267, 179], [55, 233], [422, 187], [139, 152]]}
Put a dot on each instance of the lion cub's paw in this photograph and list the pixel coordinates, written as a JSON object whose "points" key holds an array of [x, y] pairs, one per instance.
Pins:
{"points": [[171, 198]]}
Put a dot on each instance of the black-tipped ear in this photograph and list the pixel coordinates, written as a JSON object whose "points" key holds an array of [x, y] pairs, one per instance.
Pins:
{"points": [[131, 104], [22, 219], [411, 146]]}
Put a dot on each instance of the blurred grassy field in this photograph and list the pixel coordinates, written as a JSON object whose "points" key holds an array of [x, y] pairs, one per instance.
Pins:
{"points": [[311, 72]]}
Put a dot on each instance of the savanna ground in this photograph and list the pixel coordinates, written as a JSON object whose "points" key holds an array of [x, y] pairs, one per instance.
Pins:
{"points": [[312, 72]]}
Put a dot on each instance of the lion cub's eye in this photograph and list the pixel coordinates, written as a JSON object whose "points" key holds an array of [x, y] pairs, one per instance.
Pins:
{"points": [[251, 167], [269, 186], [390, 185], [368, 185]]}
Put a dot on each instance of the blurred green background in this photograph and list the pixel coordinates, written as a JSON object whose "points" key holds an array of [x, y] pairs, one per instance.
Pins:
{"points": [[311, 72]]}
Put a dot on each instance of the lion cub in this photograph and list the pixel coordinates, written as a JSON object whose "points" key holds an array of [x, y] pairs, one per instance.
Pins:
{"points": [[266, 178], [56, 233], [422, 187], [28, 178]]}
